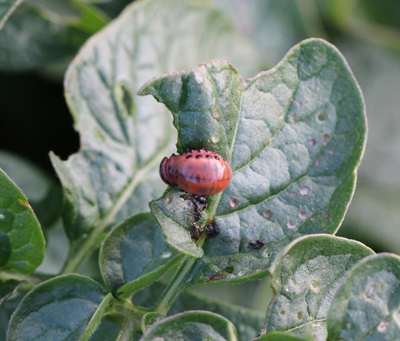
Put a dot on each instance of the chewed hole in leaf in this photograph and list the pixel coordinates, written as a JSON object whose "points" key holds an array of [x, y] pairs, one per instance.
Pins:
{"points": [[304, 190], [215, 138], [303, 215], [325, 139], [267, 213], [291, 224], [322, 117], [369, 293], [234, 203], [293, 117], [312, 142], [382, 326], [314, 286]]}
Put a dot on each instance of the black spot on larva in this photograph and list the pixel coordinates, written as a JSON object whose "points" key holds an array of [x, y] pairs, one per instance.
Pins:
{"points": [[199, 150], [189, 156], [217, 157], [212, 230], [208, 156], [258, 244], [199, 156]]}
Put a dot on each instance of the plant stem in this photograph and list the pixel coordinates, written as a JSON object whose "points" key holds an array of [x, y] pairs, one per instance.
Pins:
{"points": [[177, 285], [31, 280], [126, 330], [128, 310]]}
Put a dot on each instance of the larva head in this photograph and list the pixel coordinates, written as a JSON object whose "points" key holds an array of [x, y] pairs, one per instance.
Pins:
{"points": [[165, 167]]}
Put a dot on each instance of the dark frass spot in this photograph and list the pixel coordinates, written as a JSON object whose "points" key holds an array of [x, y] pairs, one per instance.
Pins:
{"points": [[229, 269], [212, 230], [215, 277], [258, 244]]}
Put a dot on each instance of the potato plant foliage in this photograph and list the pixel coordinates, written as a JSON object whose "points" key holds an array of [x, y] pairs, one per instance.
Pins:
{"points": [[294, 136]]}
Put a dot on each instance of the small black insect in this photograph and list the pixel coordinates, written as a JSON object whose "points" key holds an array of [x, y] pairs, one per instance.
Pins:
{"points": [[212, 230], [258, 244]]}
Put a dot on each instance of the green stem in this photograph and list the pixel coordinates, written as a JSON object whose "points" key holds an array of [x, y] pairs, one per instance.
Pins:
{"points": [[126, 330], [128, 310], [31, 280], [177, 283]]}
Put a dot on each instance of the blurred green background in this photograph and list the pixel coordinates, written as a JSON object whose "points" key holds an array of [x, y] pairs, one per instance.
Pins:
{"points": [[42, 36]]}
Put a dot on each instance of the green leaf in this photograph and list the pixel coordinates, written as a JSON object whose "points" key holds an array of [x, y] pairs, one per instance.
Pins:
{"points": [[135, 255], [30, 41], [9, 288], [64, 308], [294, 136], [248, 322], [43, 193], [6, 310], [278, 336], [124, 137], [305, 277], [21, 238], [192, 325], [366, 306], [6, 9]]}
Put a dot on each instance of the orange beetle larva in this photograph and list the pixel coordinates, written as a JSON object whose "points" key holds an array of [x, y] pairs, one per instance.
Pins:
{"points": [[200, 172]]}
